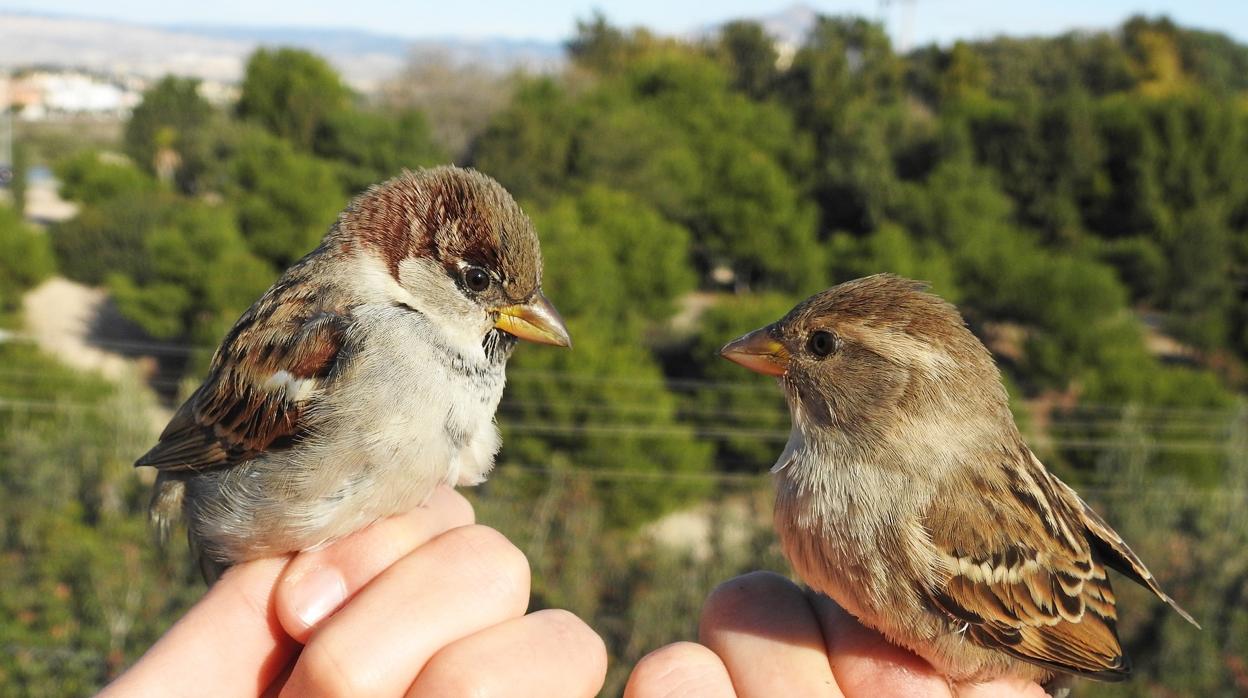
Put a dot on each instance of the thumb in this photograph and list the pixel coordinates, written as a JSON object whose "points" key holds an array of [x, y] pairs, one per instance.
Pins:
{"points": [[229, 644]]}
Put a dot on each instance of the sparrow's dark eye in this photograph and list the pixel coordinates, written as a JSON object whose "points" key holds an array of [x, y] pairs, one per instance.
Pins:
{"points": [[822, 343], [476, 279]]}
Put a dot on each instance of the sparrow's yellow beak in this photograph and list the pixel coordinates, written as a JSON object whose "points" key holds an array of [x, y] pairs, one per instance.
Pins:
{"points": [[758, 351], [536, 321]]}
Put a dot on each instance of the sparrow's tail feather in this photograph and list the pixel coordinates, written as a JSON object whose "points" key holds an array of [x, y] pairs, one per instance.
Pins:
{"points": [[165, 509]]}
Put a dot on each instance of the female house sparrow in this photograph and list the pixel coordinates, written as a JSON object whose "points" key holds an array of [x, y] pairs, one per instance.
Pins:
{"points": [[906, 494], [368, 374]]}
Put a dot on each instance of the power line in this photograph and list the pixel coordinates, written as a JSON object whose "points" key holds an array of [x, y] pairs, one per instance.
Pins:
{"points": [[687, 432], [763, 478], [1195, 420], [763, 388]]}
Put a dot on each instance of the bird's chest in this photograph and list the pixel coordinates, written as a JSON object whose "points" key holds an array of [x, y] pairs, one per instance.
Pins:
{"points": [[421, 410], [401, 419], [848, 528], [405, 416]]}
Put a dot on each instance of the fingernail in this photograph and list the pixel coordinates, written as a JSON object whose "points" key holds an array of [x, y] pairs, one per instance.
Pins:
{"points": [[318, 594]]}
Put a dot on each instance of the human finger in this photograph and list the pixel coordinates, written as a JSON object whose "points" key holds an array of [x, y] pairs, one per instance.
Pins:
{"points": [[463, 581], [317, 583], [765, 631], [546, 654], [868, 666], [229, 644], [1006, 688], [680, 670]]}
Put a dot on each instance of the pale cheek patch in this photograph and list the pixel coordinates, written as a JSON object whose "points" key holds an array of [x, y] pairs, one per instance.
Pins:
{"points": [[378, 286], [295, 389], [464, 322], [908, 350]]}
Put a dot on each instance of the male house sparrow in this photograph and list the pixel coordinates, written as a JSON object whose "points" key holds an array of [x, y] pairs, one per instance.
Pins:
{"points": [[906, 494], [368, 374]]}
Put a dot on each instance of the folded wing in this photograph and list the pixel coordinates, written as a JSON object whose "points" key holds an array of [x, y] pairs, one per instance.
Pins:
{"points": [[270, 368], [1034, 583]]}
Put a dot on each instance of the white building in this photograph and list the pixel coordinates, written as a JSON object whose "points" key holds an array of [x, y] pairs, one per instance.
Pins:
{"points": [[42, 94]]}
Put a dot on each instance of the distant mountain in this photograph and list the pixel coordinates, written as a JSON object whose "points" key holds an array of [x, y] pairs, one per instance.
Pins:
{"points": [[114, 47], [788, 26], [347, 41], [496, 53], [219, 52]]}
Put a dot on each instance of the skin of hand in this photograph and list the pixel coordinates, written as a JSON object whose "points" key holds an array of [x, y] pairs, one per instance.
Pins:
{"points": [[761, 635], [422, 604]]}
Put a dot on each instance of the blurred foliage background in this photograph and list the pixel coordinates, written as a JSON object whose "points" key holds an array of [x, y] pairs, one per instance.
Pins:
{"points": [[1084, 198]]}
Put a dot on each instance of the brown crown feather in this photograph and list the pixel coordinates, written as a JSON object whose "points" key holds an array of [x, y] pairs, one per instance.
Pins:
{"points": [[447, 214]]}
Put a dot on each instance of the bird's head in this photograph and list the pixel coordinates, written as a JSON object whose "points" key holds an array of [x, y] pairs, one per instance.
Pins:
{"points": [[453, 244], [872, 352]]}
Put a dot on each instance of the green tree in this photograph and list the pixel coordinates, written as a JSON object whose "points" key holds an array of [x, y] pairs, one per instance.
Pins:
{"points": [[93, 178], [1175, 174], [845, 89], [892, 249], [196, 274], [1201, 287], [668, 129], [19, 185], [107, 238], [1194, 539], [1048, 156], [845, 62], [604, 407], [608, 255], [293, 93], [743, 413], [614, 268], [600, 47], [169, 133], [750, 55], [528, 146], [87, 591], [1140, 264], [25, 259], [371, 147], [285, 199], [180, 269], [965, 76]]}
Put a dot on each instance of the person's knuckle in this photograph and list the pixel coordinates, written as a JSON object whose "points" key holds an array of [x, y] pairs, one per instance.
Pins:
{"points": [[568, 629], [327, 669], [679, 669], [744, 590], [448, 675], [564, 624], [651, 671], [495, 565]]}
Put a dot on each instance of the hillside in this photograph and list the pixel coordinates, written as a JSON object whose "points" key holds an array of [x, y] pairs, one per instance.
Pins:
{"points": [[218, 53]]}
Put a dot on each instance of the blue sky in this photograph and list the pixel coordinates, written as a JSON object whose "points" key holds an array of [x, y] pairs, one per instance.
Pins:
{"points": [[930, 20]]}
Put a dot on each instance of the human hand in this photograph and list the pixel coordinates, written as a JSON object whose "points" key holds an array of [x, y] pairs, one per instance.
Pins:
{"points": [[425, 603], [761, 635]]}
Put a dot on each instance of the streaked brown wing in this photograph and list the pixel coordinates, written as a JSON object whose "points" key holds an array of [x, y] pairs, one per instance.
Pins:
{"points": [[1032, 586], [271, 365], [1115, 552]]}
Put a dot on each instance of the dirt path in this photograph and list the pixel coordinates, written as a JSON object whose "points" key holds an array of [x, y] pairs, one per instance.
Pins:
{"points": [[60, 315], [61, 318]]}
